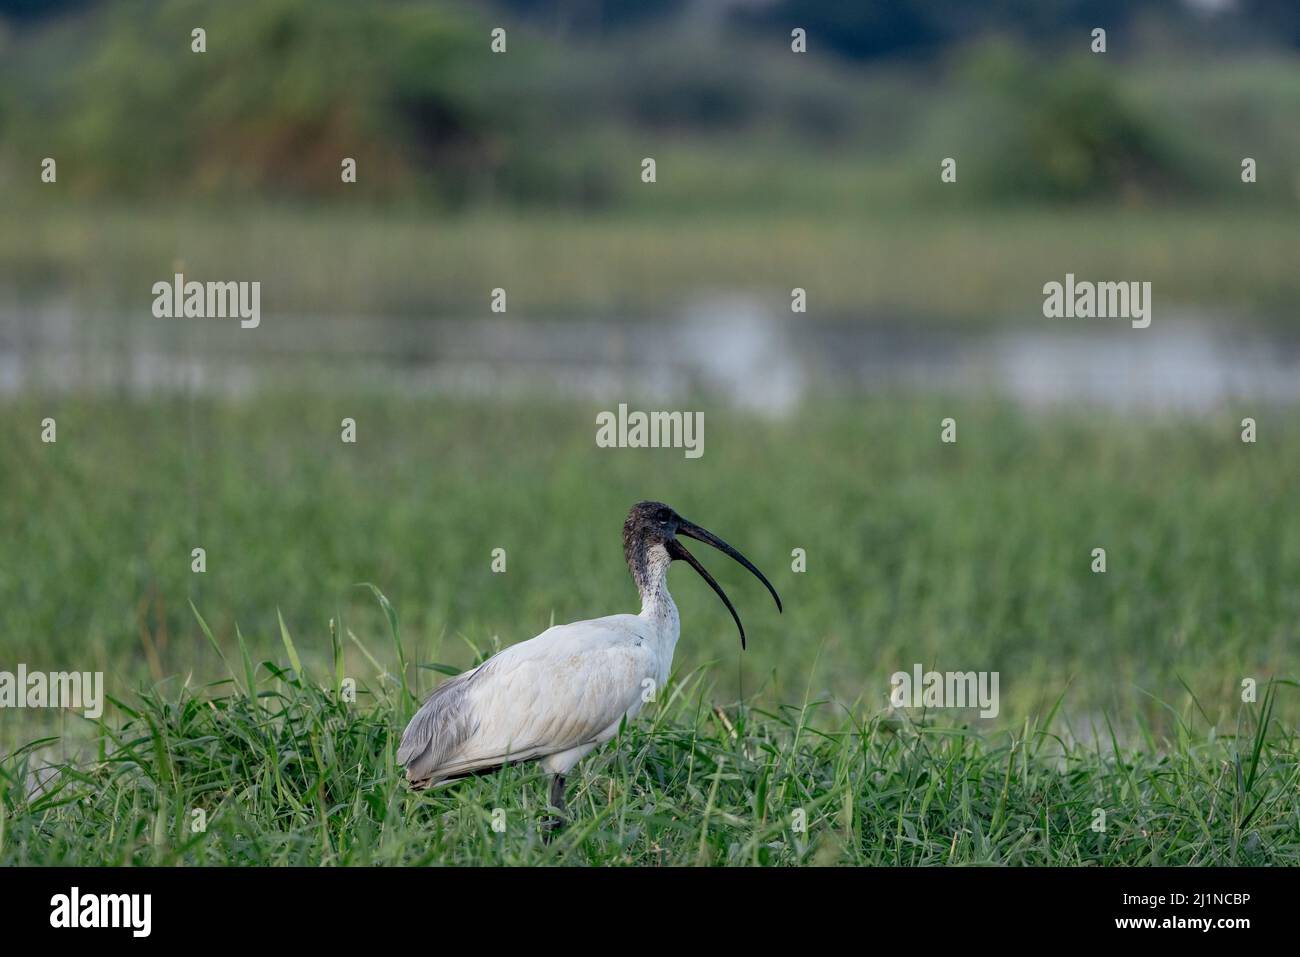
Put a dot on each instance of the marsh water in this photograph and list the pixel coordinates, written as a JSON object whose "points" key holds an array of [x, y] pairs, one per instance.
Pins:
{"points": [[731, 348]]}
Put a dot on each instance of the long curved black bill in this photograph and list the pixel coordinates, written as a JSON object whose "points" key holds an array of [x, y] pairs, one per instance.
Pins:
{"points": [[694, 531]]}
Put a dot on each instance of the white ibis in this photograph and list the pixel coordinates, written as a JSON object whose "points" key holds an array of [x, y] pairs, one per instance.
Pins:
{"points": [[557, 696]]}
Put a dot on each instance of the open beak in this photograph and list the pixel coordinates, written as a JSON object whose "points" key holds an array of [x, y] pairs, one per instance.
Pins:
{"points": [[677, 550]]}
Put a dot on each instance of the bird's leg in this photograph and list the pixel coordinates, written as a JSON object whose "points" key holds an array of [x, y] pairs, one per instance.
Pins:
{"points": [[557, 792], [552, 824]]}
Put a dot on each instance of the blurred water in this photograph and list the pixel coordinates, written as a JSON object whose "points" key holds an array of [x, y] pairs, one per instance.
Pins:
{"points": [[729, 347]]}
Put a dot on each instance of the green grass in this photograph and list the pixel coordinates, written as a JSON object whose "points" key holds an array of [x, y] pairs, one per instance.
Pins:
{"points": [[970, 555], [268, 767], [1119, 691]]}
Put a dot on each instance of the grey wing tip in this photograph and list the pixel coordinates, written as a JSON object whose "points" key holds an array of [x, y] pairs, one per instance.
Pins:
{"points": [[415, 740], [440, 726], [410, 746]]}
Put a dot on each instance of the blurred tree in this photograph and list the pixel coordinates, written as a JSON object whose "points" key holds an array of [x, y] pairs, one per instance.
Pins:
{"points": [[286, 89], [1064, 131]]}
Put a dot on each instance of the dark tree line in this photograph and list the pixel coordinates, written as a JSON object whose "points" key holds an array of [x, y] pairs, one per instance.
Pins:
{"points": [[867, 29], [862, 29]]}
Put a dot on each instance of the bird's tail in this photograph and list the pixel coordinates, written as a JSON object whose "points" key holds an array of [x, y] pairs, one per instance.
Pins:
{"points": [[440, 726]]}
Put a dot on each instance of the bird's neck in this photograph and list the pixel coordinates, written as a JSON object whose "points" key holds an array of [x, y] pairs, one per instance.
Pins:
{"points": [[649, 568]]}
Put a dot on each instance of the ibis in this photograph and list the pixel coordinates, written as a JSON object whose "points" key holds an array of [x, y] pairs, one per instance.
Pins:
{"points": [[555, 697]]}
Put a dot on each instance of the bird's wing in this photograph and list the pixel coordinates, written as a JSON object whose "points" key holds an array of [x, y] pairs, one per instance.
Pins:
{"points": [[551, 693]]}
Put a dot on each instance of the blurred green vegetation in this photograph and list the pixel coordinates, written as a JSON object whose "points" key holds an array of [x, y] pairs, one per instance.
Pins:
{"points": [[963, 264], [774, 169], [973, 556], [1070, 133], [284, 91], [287, 88]]}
